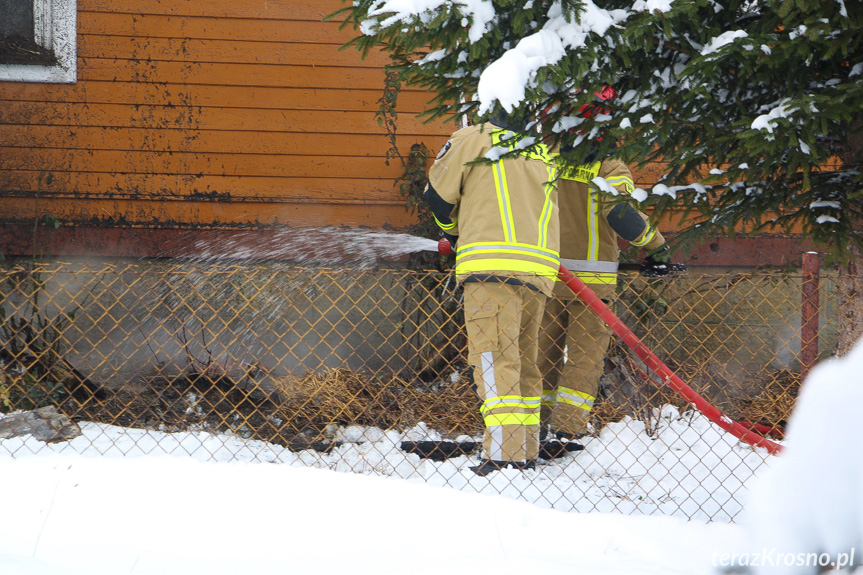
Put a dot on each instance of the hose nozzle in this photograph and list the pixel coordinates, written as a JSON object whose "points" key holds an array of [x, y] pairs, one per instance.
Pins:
{"points": [[444, 248]]}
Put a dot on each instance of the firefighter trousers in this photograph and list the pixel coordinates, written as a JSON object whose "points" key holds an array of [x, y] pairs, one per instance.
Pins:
{"points": [[573, 344], [502, 322]]}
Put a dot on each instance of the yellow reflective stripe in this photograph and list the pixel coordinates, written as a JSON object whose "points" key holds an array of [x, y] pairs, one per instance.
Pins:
{"points": [[503, 202], [542, 155], [648, 237], [443, 226], [592, 228], [576, 398], [530, 404], [624, 181], [578, 404], [547, 209], [533, 151], [507, 265], [548, 396], [466, 255], [517, 401], [582, 394], [597, 278], [511, 419], [583, 174], [509, 248], [488, 406]]}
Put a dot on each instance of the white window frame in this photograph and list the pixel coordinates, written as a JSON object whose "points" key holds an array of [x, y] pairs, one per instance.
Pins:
{"points": [[56, 29]]}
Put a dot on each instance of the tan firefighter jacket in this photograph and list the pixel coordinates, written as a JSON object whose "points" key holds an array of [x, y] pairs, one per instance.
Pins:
{"points": [[588, 243], [505, 213]]}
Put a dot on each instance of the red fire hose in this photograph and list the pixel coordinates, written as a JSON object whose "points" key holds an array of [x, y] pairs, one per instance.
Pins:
{"points": [[580, 289], [586, 295]]}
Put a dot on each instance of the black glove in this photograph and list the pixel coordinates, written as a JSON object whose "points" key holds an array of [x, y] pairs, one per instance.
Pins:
{"points": [[657, 264], [451, 239]]}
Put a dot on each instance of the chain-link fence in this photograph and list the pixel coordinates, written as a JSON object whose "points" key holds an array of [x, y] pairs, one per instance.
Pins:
{"points": [[366, 370]]}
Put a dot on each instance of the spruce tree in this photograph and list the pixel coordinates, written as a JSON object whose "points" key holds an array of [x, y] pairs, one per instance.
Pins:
{"points": [[754, 108]]}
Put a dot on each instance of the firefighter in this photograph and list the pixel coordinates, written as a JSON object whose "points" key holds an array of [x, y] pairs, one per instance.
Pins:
{"points": [[573, 340], [504, 216]]}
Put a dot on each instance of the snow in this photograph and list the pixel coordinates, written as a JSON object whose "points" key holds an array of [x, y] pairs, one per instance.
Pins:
{"points": [[164, 515], [652, 6], [843, 10], [723, 40], [117, 500], [508, 80], [810, 503], [603, 186], [192, 503], [505, 79], [768, 121], [663, 190], [592, 19], [632, 466], [479, 12]]}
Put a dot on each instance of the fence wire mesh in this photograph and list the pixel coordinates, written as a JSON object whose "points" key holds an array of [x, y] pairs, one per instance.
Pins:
{"points": [[366, 370]]}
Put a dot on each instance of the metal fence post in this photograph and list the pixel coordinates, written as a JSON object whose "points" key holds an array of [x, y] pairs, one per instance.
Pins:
{"points": [[809, 313]]}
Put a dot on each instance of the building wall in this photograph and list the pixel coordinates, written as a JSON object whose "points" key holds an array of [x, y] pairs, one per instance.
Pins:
{"points": [[227, 113], [195, 121]]}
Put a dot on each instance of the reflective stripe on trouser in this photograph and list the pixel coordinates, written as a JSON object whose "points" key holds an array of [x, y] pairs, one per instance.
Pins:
{"points": [[573, 344], [502, 324]]}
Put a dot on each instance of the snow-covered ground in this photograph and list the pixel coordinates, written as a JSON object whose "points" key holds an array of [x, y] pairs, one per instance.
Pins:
{"points": [[116, 501], [685, 466], [163, 515]]}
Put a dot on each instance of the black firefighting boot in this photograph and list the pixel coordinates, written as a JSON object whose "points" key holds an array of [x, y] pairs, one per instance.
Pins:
{"points": [[486, 466], [555, 448]]}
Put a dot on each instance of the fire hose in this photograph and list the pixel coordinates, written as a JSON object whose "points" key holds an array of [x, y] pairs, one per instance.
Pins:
{"points": [[668, 377]]}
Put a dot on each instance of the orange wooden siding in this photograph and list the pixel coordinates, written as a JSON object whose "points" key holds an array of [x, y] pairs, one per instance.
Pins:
{"points": [[212, 114], [220, 113]]}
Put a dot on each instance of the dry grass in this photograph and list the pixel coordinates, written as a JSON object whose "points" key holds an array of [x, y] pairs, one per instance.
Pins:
{"points": [[340, 395], [606, 412], [345, 397], [774, 404], [452, 411], [769, 404], [307, 406]]}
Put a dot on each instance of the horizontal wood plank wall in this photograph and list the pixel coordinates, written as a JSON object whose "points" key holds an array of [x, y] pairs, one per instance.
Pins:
{"points": [[224, 113], [213, 114]]}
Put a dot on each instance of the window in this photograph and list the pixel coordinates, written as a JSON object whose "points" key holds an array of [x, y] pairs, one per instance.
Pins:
{"points": [[38, 41]]}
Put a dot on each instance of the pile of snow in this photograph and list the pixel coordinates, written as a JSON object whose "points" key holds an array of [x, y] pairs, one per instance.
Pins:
{"points": [[75, 515], [808, 509], [678, 464], [116, 501]]}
